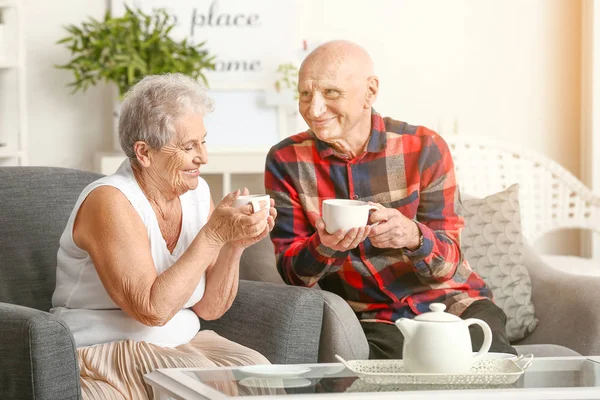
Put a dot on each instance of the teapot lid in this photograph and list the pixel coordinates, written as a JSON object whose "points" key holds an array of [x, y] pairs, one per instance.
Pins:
{"points": [[437, 314]]}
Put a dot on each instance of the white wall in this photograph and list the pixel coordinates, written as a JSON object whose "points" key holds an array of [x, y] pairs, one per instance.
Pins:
{"points": [[590, 110], [507, 69], [64, 130]]}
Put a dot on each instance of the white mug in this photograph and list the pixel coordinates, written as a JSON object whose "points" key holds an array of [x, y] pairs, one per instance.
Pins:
{"points": [[253, 199], [345, 214]]}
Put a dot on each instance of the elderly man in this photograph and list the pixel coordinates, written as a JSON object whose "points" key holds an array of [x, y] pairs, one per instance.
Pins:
{"points": [[412, 257]]}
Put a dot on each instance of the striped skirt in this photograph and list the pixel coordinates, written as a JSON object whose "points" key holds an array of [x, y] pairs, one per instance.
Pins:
{"points": [[115, 370]]}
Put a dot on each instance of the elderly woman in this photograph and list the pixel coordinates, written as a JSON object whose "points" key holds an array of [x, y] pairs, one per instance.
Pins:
{"points": [[145, 252]]}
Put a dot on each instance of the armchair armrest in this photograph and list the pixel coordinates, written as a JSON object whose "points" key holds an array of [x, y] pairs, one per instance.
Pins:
{"points": [[38, 357], [342, 333], [567, 306], [281, 322]]}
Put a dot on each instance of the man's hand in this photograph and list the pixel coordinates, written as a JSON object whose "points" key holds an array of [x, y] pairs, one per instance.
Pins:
{"points": [[394, 230], [340, 240]]}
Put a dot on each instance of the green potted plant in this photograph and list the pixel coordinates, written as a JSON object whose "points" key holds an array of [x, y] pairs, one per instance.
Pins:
{"points": [[285, 91], [122, 50], [287, 78]]}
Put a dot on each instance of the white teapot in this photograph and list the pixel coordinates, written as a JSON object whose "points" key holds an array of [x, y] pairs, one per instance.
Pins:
{"points": [[439, 342]]}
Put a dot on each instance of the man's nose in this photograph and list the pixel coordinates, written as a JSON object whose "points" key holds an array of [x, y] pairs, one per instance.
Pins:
{"points": [[317, 106]]}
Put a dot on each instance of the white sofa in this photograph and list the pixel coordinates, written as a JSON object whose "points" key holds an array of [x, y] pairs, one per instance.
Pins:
{"points": [[551, 198]]}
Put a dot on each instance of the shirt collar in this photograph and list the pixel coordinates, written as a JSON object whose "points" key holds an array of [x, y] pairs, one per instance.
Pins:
{"points": [[377, 139]]}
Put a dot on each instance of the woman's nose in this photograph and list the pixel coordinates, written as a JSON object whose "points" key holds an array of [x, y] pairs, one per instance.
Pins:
{"points": [[201, 157]]}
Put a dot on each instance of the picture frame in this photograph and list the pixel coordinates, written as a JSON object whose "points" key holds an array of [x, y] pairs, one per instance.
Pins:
{"points": [[249, 38]]}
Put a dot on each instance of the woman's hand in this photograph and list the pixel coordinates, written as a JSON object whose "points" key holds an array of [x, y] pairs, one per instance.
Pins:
{"points": [[249, 241], [229, 224]]}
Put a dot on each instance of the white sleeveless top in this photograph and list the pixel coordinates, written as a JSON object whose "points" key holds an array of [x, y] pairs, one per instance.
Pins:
{"points": [[80, 298]]}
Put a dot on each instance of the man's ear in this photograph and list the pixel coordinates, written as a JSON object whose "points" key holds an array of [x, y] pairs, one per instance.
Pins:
{"points": [[143, 153], [372, 91]]}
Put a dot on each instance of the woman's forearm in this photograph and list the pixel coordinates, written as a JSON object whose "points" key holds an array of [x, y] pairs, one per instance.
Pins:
{"points": [[221, 284], [173, 288]]}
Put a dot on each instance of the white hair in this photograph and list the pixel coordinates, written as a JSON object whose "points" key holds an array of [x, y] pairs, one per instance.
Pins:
{"points": [[152, 107]]}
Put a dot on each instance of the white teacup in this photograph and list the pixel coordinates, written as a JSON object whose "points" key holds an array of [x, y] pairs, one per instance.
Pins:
{"points": [[345, 214], [255, 200]]}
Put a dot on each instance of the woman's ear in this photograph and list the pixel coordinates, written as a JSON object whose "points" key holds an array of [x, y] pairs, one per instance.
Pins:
{"points": [[372, 91], [143, 153]]}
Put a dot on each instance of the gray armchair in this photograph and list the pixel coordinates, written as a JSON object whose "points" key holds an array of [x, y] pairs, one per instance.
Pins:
{"points": [[38, 358]]}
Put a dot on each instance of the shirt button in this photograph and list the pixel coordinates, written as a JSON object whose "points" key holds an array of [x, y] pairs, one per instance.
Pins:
{"points": [[355, 197], [352, 165]]}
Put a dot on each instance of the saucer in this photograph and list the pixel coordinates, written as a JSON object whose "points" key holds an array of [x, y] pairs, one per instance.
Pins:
{"points": [[274, 371], [282, 383]]}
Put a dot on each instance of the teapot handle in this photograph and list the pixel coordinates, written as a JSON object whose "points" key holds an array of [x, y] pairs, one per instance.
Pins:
{"points": [[487, 336]]}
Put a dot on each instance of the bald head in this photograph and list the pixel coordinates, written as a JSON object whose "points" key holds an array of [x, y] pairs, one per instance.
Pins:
{"points": [[339, 57], [337, 89]]}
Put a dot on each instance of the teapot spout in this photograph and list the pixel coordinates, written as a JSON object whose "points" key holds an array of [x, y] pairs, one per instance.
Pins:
{"points": [[407, 326]]}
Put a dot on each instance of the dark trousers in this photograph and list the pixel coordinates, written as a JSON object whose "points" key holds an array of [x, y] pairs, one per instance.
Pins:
{"points": [[386, 340]]}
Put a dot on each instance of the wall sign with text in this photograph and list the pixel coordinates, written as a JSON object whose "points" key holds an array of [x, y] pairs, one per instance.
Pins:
{"points": [[250, 38]]}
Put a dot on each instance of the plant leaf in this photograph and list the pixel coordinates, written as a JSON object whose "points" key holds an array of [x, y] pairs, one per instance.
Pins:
{"points": [[126, 48]]}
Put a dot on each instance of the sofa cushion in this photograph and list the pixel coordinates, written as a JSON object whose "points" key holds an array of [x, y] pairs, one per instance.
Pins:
{"points": [[492, 243], [258, 263], [546, 350]]}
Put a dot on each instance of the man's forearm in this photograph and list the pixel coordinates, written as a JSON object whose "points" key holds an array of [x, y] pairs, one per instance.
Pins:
{"points": [[438, 257], [305, 261]]}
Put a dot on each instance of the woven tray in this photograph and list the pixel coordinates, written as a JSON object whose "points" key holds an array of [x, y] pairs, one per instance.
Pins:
{"points": [[362, 386], [484, 372]]}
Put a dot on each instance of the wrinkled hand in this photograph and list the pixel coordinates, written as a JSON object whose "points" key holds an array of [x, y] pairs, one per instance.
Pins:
{"points": [[394, 231], [340, 240], [248, 209], [230, 224]]}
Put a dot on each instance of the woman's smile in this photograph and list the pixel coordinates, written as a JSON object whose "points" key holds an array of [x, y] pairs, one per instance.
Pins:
{"points": [[192, 172]]}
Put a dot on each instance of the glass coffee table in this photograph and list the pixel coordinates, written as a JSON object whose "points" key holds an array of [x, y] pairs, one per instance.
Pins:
{"points": [[546, 378]]}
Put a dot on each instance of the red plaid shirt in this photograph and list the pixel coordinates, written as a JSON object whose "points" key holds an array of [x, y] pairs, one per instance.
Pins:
{"points": [[406, 167]]}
